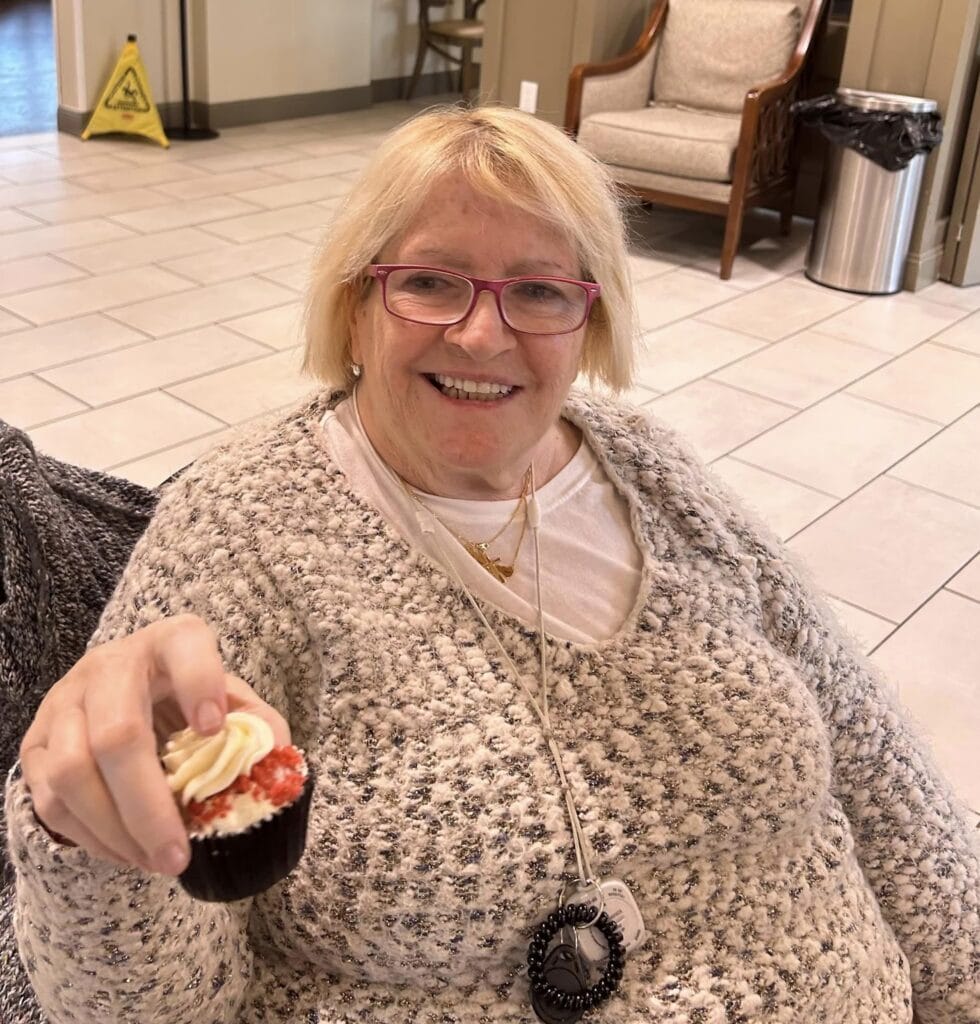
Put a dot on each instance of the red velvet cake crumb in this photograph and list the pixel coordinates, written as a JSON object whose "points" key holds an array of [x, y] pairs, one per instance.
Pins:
{"points": [[278, 778]]}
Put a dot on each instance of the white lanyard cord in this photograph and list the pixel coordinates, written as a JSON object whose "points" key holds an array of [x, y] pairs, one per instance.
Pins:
{"points": [[579, 839]]}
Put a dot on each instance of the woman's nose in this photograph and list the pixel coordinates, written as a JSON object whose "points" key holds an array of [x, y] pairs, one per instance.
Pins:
{"points": [[483, 334]]}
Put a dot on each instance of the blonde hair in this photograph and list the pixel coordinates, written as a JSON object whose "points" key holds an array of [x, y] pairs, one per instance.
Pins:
{"points": [[509, 156]]}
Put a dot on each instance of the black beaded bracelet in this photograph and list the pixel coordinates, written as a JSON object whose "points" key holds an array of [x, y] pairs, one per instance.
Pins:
{"points": [[576, 914]]}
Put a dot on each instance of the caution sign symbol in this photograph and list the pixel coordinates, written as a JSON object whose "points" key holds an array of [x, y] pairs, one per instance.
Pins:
{"points": [[127, 94], [126, 103]]}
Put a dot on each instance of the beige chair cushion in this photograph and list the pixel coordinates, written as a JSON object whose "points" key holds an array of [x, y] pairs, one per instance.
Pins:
{"points": [[714, 51], [665, 140]]}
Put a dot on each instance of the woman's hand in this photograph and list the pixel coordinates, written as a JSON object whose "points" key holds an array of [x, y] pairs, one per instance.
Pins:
{"points": [[90, 756]]}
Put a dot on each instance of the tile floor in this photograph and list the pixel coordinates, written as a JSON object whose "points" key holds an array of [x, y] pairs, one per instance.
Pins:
{"points": [[149, 303]]}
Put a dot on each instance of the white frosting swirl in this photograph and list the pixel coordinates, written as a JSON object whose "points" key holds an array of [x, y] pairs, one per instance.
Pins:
{"points": [[199, 766]]}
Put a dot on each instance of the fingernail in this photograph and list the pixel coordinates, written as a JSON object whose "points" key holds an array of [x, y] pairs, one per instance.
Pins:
{"points": [[170, 859], [209, 716]]}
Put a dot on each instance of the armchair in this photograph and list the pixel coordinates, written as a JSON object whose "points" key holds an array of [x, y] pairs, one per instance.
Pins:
{"points": [[697, 114]]}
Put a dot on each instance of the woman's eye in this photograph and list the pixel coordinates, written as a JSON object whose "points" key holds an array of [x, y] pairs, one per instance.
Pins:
{"points": [[424, 283], [539, 291]]}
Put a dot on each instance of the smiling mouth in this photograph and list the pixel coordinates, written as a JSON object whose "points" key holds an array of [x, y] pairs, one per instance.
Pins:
{"points": [[469, 390]]}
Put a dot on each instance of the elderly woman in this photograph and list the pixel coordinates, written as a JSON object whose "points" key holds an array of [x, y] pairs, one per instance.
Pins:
{"points": [[535, 656]]}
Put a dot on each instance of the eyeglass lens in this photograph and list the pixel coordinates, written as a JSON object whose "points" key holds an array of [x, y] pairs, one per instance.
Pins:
{"points": [[530, 305]]}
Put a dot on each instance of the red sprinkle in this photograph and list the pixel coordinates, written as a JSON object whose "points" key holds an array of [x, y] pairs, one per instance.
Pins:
{"points": [[278, 778]]}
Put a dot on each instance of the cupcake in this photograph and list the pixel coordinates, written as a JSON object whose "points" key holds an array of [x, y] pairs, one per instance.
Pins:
{"points": [[245, 803]]}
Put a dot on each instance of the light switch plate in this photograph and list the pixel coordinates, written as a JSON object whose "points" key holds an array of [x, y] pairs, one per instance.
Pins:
{"points": [[528, 100]]}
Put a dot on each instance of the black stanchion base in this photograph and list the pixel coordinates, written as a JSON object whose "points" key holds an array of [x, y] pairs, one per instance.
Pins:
{"points": [[191, 134]]}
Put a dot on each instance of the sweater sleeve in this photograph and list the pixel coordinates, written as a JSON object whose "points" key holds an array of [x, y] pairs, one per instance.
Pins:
{"points": [[103, 943]]}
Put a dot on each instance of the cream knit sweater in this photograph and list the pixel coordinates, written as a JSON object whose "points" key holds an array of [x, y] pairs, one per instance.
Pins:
{"points": [[795, 854]]}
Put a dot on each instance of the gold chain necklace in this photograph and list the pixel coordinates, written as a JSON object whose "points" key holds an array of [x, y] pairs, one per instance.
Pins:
{"points": [[479, 549]]}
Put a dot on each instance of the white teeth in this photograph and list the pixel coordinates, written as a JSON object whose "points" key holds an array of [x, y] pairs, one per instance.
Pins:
{"points": [[462, 387]]}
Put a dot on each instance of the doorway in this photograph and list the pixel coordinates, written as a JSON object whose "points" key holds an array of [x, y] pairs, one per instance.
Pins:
{"points": [[28, 84]]}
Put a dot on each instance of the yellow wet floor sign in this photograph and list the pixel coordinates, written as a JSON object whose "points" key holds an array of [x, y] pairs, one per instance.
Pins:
{"points": [[126, 104]]}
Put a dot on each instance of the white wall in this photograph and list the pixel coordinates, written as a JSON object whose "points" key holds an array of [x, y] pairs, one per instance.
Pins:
{"points": [[240, 49]]}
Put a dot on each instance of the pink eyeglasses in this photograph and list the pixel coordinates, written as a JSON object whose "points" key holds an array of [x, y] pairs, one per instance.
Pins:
{"points": [[527, 304]]}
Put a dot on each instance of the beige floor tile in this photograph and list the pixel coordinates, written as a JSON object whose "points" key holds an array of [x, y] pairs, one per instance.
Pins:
{"points": [[890, 546], [181, 214], [29, 141], [803, 369], [248, 159], [716, 418], [129, 176], [145, 153], [18, 157], [673, 356], [41, 192], [967, 582], [269, 222], [933, 659], [209, 304], [312, 235], [10, 323], [786, 506], [242, 392], [869, 630], [75, 168], [294, 192], [295, 276], [219, 184], [154, 364], [964, 335], [778, 310], [646, 265], [678, 294], [931, 381], [56, 238], [952, 295], [339, 145], [93, 294], [152, 470], [949, 463], [35, 272], [280, 327], [14, 220], [27, 401], [837, 445], [315, 166], [138, 250], [222, 264], [123, 432], [97, 204], [38, 348], [892, 323], [763, 260]]}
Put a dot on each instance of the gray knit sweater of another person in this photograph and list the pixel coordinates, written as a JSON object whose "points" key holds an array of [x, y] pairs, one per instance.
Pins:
{"points": [[794, 851]]}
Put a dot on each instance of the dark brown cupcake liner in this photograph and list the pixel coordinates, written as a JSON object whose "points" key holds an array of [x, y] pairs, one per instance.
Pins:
{"points": [[234, 867]]}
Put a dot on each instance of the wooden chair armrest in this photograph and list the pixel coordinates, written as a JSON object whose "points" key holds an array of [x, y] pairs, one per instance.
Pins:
{"points": [[576, 80]]}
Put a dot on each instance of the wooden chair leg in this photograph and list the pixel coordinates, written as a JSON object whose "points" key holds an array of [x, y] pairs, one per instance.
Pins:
{"points": [[419, 61], [465, 71], [733, 233]]}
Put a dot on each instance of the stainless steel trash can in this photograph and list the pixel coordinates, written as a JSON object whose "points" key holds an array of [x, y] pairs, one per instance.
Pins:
{"points": [[865, 212]]}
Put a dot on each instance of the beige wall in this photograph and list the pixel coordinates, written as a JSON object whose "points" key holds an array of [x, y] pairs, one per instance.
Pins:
{"points": [[240, 49], [921, 49], [257, 48], [542, 41]]}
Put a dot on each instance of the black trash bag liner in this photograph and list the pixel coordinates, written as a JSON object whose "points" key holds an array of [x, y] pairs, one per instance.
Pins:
{"points": [[890, 138]]}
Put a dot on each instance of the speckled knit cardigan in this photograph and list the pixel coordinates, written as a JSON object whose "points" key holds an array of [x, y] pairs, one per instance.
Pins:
{"points": [[793, 850]]}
